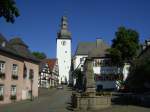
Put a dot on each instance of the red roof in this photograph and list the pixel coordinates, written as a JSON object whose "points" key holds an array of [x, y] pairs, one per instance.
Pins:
{"points": [[51, 63]]}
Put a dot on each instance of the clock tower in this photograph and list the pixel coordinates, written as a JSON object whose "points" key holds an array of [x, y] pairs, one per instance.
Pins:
{"points": [[64, 51]]}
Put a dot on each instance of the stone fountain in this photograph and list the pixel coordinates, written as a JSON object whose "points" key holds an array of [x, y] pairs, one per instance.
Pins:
{"points": [[88, 100]]}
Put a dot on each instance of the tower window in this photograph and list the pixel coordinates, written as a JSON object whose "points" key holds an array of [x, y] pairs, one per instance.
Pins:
{"points": [[63, 42]]}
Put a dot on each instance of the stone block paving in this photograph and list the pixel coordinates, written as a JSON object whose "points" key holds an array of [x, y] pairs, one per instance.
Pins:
{"points": [[54, 100], [51, 100]]}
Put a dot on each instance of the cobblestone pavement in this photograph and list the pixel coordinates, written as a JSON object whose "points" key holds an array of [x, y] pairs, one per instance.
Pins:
{"points": [[52, 100]]}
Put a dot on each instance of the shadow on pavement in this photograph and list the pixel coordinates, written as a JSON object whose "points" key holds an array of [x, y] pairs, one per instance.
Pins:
{"points": [[130, 99], [69, 106]]}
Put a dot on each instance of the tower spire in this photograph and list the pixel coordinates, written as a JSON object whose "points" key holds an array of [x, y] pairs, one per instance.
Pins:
{"points": [[64, 33], [64, 23]]}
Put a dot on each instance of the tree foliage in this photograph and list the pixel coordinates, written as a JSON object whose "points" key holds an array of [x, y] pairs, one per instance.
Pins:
{"points": [[115, 55], [139, 77], [8, 10], [124, 45], [39, 55], [79, 78]]}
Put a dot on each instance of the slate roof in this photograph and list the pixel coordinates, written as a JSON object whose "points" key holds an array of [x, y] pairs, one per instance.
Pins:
{"points": [[84, 48], [2, 38], [92, 49], [17, 41], [96, 52], [17, 48]]}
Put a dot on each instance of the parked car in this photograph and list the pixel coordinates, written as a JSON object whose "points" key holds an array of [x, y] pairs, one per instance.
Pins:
{"points": [[59, 87]]}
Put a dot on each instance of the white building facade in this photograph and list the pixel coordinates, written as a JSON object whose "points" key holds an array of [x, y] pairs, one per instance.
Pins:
{"points": [[64, 51], [106, 74]]}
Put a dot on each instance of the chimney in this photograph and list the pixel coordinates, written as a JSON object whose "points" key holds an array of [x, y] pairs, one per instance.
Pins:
{"points": [[98, 42]]}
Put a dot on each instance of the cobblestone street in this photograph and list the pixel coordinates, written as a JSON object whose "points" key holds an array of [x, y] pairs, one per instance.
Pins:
{"points": [[51, 100], [54, 100]]}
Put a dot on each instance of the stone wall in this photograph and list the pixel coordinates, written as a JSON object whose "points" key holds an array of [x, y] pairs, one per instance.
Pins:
{"points": [[90, 102]]}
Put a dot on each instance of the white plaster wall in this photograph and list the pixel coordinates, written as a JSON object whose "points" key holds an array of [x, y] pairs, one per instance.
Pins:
{"points": [[77, 60], [64, 59], [107, 70]]}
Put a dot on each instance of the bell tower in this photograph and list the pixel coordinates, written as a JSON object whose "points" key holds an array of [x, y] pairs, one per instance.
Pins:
{"points": [[64, 51]]}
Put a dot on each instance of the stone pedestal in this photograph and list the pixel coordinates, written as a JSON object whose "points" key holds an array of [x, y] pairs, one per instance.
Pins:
{"points": [[83, 102], [88, 99]]}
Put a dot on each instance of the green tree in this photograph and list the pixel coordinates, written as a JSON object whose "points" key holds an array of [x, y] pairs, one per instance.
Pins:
{"points": [[124, 45], [139, 76], [39, 55], [8, 10], [115, 55]]}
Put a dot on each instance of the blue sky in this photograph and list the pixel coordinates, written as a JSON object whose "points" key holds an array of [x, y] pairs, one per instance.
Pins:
{"points": [[39, 21]]}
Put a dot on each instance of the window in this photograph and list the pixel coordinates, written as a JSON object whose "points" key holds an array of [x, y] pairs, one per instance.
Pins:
{"points": [[81, 60], [96, 63], [63, 43], [31, 74], [1, 89], [2, 70], [2, 67], [13, 90], [25, 72], [15, 69], [1, 92]]}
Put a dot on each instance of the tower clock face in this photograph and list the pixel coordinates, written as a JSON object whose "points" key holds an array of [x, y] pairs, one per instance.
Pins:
{"points": [[63, 43]]}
